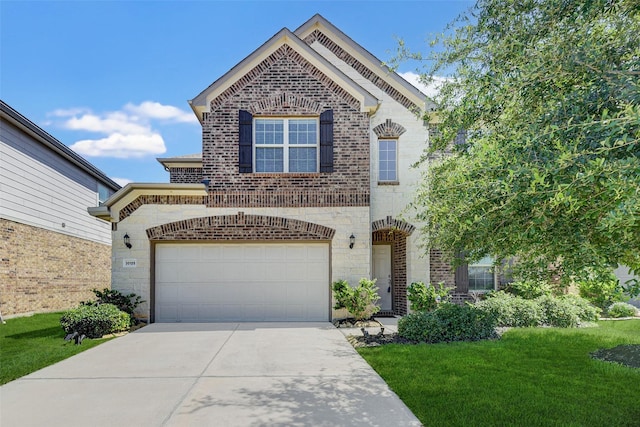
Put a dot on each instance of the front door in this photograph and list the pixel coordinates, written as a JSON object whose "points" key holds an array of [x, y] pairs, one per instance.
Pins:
{"points": [[382, 272]]}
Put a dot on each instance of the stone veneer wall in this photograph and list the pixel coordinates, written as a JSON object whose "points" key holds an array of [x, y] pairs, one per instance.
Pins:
{"points": [[44, 271], [285, 84]]}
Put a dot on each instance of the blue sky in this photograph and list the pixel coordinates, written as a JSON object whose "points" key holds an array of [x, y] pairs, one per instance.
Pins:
{"points": [[111, 79]]}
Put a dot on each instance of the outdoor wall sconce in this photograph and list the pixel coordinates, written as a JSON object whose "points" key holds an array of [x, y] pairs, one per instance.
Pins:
{"points": [[352, 241], [127, 241]]}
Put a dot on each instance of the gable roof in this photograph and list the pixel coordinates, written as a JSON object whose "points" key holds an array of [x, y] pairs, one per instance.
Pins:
{"points": [[363, 61], [200, 104], [14, 117]]}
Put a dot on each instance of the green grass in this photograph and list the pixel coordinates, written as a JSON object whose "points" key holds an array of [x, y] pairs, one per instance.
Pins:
{"points": [[531, 377], [31, 343]]}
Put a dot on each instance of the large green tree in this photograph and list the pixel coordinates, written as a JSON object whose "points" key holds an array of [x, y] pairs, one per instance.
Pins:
{"points": [[548, 92]]}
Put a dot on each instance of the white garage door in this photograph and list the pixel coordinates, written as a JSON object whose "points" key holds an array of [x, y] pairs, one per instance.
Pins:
{"points": [[242, 282]]}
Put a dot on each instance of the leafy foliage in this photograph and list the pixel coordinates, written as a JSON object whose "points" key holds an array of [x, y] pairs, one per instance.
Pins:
{"points": [[449, 322], [530, 289], [126, 303], [621, 309], [360, 301], [94, 321], [601, 290], [427, 297], [584, 310], [548, 92]]}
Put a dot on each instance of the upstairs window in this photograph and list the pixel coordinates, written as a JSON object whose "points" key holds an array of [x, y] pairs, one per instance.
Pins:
{"points": [[103, 194], [286, 145], [388, 160]]}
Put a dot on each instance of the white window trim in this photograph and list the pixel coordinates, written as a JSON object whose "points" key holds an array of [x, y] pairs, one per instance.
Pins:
{"points": [[494, 274], [397, 178], [285, 144]]}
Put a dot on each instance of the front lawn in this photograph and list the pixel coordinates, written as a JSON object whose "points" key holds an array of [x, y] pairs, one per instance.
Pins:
{"points": [[530, 377], [31, 343]]}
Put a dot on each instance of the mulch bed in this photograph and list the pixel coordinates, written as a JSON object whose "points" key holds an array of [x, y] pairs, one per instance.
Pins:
{"points": [[628, 355]]}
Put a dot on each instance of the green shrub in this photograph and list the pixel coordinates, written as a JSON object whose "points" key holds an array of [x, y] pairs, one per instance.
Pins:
{"points": [[558, 312], [94, 321], [427, 297], [621, 309], [530, 289], [126, 303], [509, 310], [601, 289], [448, 322], [585, 311], [360, 302]]}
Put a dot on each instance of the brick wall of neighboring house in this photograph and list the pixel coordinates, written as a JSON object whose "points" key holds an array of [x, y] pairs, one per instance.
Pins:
{"points": [[44, 271], [285, 84], [440, 270], [185, 175]]}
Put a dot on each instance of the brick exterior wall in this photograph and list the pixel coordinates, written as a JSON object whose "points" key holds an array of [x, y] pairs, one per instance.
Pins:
{"points": [[44, 271], [440, 270], [361, 69], [240, 227], [185, 175], [285, 84]]}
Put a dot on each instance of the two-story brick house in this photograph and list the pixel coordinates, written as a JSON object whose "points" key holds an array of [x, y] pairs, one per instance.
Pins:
{"points": [[303, 180]]}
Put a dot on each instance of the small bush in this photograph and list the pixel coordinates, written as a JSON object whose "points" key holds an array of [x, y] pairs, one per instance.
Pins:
{"points": [[601, 289], [427, 297], [95, 321], [558, 312], [360, 302], [621, 309], [126, 303], [530, 289], [448, 322], [584, 310], [509, 310]]}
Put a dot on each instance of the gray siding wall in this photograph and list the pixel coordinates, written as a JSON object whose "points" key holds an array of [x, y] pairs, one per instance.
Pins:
{"points": [[42, 189]]}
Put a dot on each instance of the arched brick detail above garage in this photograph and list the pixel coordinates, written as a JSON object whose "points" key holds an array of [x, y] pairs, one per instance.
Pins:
{"points": [[240, 227]]}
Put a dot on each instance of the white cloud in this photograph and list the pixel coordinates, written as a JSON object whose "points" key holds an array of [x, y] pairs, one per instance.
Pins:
{"points": [[155, 110], [121, 181], [431, 90], [128, 132], [121, 146]]}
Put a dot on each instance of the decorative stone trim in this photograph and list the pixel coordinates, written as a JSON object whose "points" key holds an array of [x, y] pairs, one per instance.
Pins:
{"points": [[284, 51], [291, 198], [392, 224], [240, 227], [389, 129], [160, 200], [286, 100], [365, 72]]}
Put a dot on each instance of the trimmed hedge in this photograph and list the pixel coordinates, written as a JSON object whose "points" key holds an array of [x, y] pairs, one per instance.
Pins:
{"points": [[448, 322], [95, 321], [621, 309], [564, 312]]}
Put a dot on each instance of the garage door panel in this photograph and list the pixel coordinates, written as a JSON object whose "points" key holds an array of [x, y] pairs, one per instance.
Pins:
{"points": [[242, 282]]}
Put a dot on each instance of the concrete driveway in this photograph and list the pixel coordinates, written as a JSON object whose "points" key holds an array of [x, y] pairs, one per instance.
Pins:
{"points": [[220, 374]]}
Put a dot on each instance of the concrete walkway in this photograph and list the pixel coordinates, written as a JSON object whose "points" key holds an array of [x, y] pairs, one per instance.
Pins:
{"points": [[247, 374]]}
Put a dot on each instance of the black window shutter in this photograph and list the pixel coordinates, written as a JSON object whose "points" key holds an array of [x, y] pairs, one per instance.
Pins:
{"points": [[462, 277], [245, 144], [326, 141]]}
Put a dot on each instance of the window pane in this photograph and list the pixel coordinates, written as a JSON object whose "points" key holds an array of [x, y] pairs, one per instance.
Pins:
{"points": [[269, 160], [302, 160], [302, 131], [269, 131], [481, 275], [387, 160]]}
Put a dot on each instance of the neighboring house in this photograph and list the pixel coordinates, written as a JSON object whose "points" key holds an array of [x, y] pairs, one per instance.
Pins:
{"points": [[53, 252], [304, 179]]}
